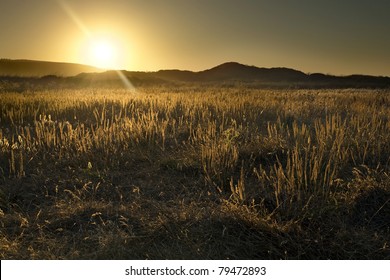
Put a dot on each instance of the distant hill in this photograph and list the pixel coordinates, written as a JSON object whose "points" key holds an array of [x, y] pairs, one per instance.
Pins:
{"points": [[237, 71], [233, 71], [34, 68], [266, 77], [272, 77], [75, 76]]}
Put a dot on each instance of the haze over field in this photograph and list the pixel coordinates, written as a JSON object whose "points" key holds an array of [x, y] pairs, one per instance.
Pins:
{"points": [[337, 37]]}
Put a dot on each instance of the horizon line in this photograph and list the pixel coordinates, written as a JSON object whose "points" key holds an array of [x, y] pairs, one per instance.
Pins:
{"points": [[193, 71]]}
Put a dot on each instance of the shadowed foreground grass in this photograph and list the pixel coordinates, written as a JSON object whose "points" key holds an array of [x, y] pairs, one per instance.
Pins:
{"points": [[195, 173]]}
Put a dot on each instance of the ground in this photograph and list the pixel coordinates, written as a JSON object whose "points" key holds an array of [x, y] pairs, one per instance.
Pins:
{"points": [[195, 173]]}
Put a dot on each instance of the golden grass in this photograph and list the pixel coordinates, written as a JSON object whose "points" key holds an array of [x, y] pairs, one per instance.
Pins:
{"points": [[191, 172]]}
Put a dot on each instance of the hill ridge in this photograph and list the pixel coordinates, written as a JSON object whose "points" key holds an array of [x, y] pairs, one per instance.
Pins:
{"points": [[225, 73], [39, 68]]}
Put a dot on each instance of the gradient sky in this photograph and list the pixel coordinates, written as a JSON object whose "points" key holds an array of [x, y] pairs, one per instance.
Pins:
{"points": [[329, 36]]}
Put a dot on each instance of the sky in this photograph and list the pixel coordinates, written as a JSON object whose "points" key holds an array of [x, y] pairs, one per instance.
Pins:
{"points": [[339, 37]]}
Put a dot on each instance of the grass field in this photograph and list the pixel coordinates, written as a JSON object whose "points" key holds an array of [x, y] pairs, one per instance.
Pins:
{"points": [[195, 173]]}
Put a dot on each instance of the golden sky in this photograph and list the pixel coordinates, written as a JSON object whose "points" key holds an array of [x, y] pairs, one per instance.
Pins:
{"points": [[333, 36]]}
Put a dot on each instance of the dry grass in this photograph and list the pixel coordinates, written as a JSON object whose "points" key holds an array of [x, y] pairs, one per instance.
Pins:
{"points": [[195, 173]]}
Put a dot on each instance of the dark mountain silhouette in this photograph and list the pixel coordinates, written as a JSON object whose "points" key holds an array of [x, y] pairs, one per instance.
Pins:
{"points": [[230, 73], [35, 68], [237, 71], [266, 77]]}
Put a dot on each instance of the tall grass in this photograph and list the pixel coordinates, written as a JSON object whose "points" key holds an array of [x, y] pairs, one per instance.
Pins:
{"points": [[292, 158]]}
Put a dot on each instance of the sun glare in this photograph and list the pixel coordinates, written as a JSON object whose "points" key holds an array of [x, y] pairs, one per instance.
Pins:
{"points": [[103, 54], [103, 51]]}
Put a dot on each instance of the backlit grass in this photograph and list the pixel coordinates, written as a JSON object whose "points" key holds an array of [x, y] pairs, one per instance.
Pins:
{"points": [[195, 173]]}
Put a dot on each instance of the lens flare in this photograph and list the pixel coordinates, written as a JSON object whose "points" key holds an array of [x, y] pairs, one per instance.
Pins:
{"points": [[102, 52]]}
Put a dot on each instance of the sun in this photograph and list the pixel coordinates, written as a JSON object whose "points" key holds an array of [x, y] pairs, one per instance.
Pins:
{"points": [[107, 51], [104, 51], [103, 54]]}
